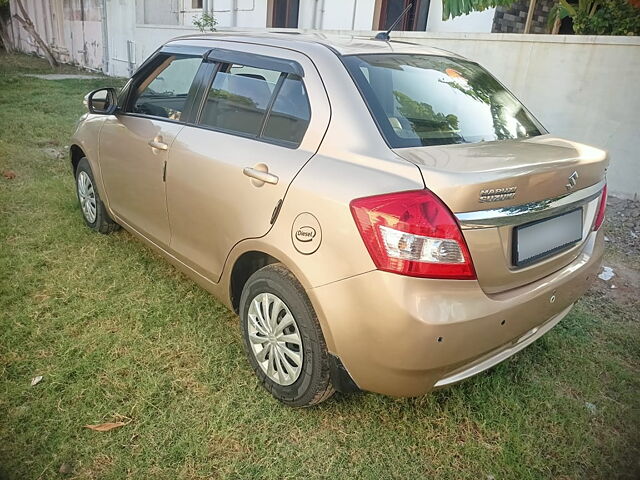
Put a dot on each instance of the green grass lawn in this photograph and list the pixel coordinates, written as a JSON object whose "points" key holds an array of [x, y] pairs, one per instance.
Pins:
{"points": [[119, 335]]}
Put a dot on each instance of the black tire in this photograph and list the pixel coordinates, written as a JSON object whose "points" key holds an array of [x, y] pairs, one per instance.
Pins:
{"points": [[102, 223], [313, 384]]}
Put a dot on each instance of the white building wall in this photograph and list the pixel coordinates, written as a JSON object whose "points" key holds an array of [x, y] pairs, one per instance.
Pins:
{"points": [[121, 32], [336, 14]]}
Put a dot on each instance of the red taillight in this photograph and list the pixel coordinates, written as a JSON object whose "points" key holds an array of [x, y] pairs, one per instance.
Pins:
{"points": [[413, 233], [602, 206]]}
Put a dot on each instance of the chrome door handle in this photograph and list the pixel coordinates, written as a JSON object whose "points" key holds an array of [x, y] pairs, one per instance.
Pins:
{"points": [[158, 145], [260, 175]]}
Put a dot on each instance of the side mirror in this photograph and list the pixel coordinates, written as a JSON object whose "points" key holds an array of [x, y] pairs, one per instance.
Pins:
{"points": [[103, 101]]}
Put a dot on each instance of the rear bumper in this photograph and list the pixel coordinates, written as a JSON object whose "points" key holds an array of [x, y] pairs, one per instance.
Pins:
{"points": [[404, 336]]}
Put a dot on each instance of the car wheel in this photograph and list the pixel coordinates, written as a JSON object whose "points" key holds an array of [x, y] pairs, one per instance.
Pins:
{"points": [[283, 338], [93, 210]]}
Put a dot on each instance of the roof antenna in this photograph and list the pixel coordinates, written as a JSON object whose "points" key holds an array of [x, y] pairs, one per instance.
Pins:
{"points": [[385, 35]]}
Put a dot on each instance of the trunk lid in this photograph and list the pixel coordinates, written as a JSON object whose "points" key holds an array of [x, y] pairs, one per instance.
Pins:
{"points": [[493, 176]]}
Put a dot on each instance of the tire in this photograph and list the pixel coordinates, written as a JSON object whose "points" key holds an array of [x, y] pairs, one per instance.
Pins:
{"points": [[312, 384], [93, 211]]}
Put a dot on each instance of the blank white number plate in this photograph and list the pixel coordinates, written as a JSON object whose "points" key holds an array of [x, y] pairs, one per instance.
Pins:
{"points": [[543, 238]]}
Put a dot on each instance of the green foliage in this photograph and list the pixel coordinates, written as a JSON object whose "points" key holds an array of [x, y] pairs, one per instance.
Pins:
{"points": [[425, 119], [206, 22], [598, 17], [455, 8], [613, 17], [4, 9]]}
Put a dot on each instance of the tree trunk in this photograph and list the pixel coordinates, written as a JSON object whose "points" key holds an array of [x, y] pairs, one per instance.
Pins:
{"points": [[26, 22], [532, 8], [6, 36]]}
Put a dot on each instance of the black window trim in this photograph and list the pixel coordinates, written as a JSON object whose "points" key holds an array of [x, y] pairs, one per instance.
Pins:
{"points": [[255, 60], [247, 58]]}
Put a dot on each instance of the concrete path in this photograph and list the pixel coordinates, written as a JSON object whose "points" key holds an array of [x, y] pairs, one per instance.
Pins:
{"points": [[61, 76]]}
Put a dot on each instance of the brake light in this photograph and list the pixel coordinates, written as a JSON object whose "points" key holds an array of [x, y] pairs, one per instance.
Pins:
{"points": [[413, 233], [602, 206]]}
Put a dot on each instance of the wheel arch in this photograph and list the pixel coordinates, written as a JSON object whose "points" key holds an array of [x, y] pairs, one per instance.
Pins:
{"points": [[244, 266], [75, 155]]}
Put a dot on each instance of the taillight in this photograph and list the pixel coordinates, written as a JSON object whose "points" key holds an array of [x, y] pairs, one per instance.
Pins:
{"points": [[602, 206], [413, 233]]}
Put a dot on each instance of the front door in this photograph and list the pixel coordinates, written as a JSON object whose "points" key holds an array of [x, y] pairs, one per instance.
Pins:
{"points": [[261, 120], [134, 144]]}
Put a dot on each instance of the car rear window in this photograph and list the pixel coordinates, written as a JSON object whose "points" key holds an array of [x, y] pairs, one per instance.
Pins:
{"points": [[421, 100]]}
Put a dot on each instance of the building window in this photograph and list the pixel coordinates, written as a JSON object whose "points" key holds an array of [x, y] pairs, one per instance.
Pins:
{"points": [[415, 19], [284, 13], [196, 4]]}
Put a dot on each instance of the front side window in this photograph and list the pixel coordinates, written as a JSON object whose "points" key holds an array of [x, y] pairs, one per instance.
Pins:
{"points": [[164, 92], [430, 100], [258, 103]]}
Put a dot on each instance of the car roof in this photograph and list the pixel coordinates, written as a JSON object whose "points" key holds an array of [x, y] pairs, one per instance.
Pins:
{"points": [[305, 42]]}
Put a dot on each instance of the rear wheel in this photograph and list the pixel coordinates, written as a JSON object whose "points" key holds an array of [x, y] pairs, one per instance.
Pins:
{"points": [[93, 210], [283, 339]]}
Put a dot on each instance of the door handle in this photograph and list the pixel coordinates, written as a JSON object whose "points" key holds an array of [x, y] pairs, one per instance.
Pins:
{"points": [[158, 145], [260, 175]]}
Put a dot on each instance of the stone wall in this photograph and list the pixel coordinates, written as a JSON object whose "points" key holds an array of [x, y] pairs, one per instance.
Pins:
{"points": [[512, 19]]}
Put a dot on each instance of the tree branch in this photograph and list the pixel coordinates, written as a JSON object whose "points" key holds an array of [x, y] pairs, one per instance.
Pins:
{"points": [[27, 24]]}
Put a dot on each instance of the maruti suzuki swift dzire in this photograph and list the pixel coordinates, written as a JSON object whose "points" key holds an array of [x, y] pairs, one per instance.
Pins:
{"points": [[382, 216]]}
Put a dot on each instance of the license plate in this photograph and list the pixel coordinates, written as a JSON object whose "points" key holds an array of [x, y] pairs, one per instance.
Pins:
{"points": [[543, 238]]}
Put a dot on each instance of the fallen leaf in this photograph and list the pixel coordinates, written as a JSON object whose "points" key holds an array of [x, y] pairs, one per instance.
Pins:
{"points": [[9, 174], [105, 427], [36, 380]]}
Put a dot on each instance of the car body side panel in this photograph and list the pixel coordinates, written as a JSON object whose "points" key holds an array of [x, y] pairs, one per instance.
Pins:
{"points": [[212, 204], [318, 191], [353, 161]]}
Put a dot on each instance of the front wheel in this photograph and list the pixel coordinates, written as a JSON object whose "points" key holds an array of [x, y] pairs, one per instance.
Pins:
{"points": [[283, 338], [93, 210]]}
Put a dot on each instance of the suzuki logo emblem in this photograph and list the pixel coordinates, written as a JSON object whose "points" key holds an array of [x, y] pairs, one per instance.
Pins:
{"points": [[573, 180]]}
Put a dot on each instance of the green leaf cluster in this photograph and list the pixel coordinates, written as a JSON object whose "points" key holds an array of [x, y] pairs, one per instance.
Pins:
{"points": [[455, 8], [205, 22], [599, 17]]}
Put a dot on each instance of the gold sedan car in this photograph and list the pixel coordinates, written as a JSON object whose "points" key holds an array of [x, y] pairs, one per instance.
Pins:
{"points": [[382, 216]]}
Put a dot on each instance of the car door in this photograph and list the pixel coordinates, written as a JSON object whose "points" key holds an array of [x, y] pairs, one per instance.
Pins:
{"points": [[261, 119], [134, 142]]}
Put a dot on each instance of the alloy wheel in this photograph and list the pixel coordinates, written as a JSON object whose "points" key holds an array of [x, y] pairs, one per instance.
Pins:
{"points": [[87, 196], [275, 338]]}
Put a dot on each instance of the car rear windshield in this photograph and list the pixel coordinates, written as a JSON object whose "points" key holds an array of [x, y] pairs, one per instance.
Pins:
{"points": [[421, 100]]}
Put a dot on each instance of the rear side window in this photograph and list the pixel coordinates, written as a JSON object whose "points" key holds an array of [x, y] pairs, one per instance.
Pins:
{"points": [[164, 92], [289, 116], [257, 103]]}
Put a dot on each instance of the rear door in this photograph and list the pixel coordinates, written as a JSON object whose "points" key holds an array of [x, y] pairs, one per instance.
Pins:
{"points": [[261, 118]]}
